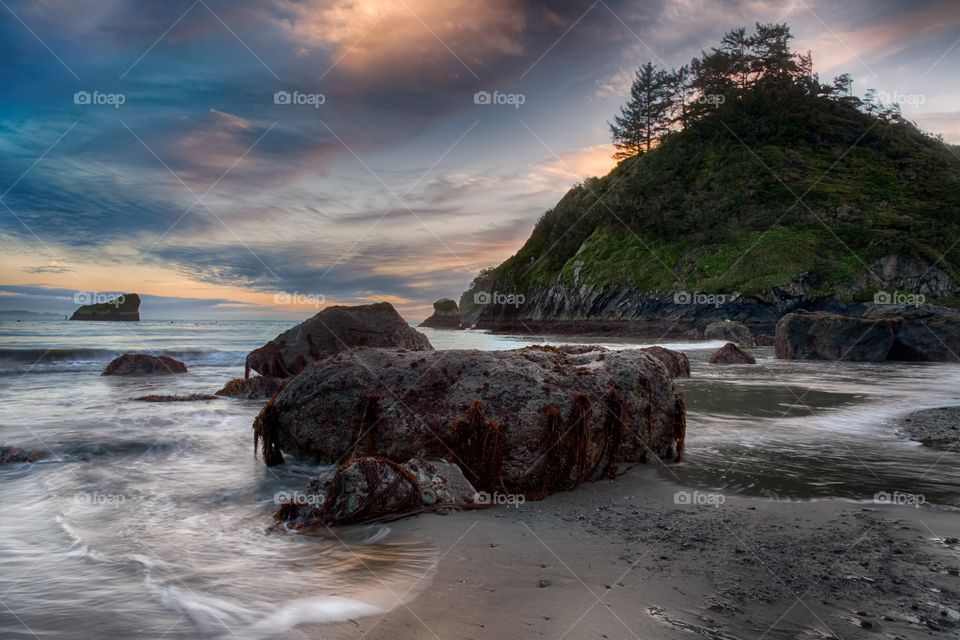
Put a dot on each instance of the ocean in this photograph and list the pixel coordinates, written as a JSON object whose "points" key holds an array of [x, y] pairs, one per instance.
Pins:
{"points": [[150, 520]]}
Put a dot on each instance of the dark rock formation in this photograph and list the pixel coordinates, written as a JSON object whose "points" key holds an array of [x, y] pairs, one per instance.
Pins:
{"points": [[125, 307], [529, 421], [676, 362], [142, 364], [371, 488], [735, 332], [827, 336], [255, 388], [446, 315], [731, 354], [921, 333], [9, 455], [333, 330]]}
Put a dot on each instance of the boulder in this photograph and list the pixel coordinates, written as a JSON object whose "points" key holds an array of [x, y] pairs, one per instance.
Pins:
{"points": [[255, 388], [828, 336], [331, 331], [731, 354], [10, 455], [142, 364], [371, 488], [735, 332], [446, 315], [125, 307], [528, 421], [923, 333], [676, 362]]}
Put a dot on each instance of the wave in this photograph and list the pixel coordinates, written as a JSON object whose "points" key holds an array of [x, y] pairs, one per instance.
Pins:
{"points": [[79, 356]]}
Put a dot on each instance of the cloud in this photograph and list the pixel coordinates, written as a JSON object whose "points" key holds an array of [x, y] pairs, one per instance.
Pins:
{"points": [[52, 266]]}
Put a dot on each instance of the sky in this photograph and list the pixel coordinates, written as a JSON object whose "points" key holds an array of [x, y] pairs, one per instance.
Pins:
{"points": [[265, 158]]}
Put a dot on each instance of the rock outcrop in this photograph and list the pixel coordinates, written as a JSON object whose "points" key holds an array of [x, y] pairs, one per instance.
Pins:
{"points": [[143, 364], [529, 421], [921, 333], [123, 308], [676, 362], [331, 331], [731, 354], [446, 315], [735, 332], [828, 336], [254, 388], [371, 488], [10, 455]]}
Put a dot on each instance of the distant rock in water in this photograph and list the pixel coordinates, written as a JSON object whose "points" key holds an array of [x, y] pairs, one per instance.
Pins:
{"points": [[10, 455], [190, 397], [731, 354], [676, 362], [333, 330], [370, 488], [142, 364], [735, 332], [446, 315], [919, 333], [530, 421], [255, 388], [126, 307]]}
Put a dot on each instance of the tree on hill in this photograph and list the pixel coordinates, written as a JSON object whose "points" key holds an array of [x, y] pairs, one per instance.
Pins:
{"points": [[646, 116]]}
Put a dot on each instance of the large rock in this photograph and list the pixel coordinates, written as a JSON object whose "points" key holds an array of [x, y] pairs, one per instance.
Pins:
{"points": [[446, 315], [371, 488], [530, 421], [125, 307], [331, 331], [735, 332], [827, 336], [676, 362], [142, 364], [254, 388], [731, 354], [923, 333]]}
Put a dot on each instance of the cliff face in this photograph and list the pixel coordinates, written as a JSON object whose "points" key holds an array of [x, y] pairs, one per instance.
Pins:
{"points": [[124, 308], [778, 202]]}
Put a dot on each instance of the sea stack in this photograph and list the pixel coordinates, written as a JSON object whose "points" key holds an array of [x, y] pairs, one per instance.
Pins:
{"points": [[124, 308], [446, 315]]}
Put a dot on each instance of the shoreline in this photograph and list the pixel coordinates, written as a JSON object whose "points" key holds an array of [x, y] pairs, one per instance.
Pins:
{"points": [[621, 558]]}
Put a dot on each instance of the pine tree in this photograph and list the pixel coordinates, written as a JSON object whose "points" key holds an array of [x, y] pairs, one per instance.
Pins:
{"points": [[646, 116], [680, 85]]}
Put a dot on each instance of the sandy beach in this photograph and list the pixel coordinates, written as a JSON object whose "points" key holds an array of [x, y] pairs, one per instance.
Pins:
{"points": [[622, 559]]}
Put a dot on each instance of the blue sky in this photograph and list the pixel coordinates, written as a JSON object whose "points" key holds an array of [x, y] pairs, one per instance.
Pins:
{"points": [[142, 146]]}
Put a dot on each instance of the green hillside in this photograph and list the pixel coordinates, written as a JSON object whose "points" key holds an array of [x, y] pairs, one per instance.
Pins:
{"points": [[714, 206]]}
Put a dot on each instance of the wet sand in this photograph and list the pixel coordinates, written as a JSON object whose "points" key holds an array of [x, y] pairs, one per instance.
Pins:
{"points": [[622, 560]]}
